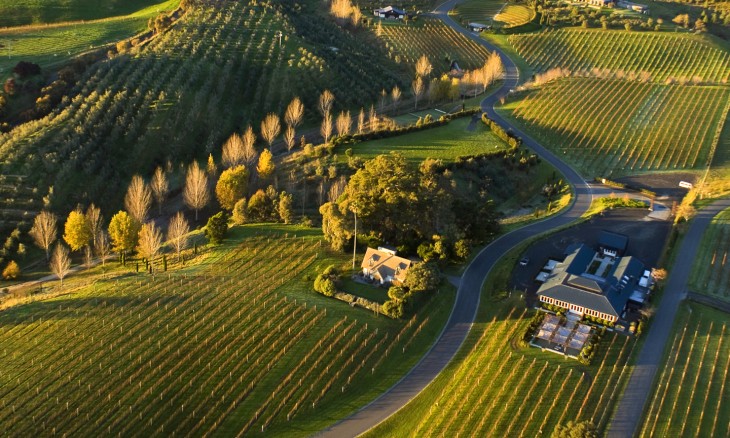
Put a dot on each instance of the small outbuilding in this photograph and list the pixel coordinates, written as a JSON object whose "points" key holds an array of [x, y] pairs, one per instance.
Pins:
{"points": [[390, 12], [479, 27], [612, 244]]}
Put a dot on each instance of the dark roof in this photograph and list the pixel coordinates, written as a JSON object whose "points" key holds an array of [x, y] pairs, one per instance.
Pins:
{"points": [[609, 239], [580, 297], [393, 9], [577, 261]]}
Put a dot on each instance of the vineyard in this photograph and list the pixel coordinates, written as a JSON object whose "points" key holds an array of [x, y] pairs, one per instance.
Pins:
{"points": [[514, 15], [692, 397], [217, 70], [494, 389], [662, 55], [479, 11], [619, 127], [711, 271], [219, 349], [442, 45]]}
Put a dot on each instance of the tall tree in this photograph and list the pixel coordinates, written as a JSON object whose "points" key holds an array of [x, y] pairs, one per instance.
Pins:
{"points": [[265, 168], [423, 67], [195, 193], [285, 209], [290, 137], [294, 113], [76, 230], [249, 149], [326, 99], [102, 247], [150, 241], [231, 186], [233, 151], [361, 121], [417, 87], [123, 231], [138, 199], [177, 233], [326, 128], [94, 219], [60, 262], [344, 123], [395, 96], [160, 187], [270, 128], [44, 231]]}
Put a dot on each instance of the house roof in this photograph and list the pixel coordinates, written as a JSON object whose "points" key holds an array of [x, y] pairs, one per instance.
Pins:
{"points": [[385, 265], [392, 9], [612, 240]]}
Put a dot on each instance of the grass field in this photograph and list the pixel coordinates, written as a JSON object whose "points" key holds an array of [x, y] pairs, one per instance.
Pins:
{"points": [[235, 343], [24, 12], [711, 271], [478, 11], [55, 44], [496, 388], [663, 55], [430, 37], [692, 397], [514, 15], [458, 138], [613, 127]]}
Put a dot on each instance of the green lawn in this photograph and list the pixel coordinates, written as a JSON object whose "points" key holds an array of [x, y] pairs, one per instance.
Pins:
{"points": [[446, 143], [372, 293], [711, 271], [24, 12], [55, 44], [691, 395]]}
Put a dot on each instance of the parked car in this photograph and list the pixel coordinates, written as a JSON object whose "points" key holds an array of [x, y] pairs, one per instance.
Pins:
{"points": [[524, 261]]}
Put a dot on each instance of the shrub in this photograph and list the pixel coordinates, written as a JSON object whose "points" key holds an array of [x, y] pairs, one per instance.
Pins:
{"points": [[215, 230], [324, 285], [11, 271]]}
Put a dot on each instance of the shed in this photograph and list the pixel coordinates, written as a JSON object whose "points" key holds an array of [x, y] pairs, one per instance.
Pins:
{"points": [[612, 244]]}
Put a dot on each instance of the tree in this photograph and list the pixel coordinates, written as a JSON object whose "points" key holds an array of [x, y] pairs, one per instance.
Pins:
{"points": [[160, 187], [240, 212], [422, 277], [270, 128], [76, 230], [44, 231], [423, 67], [659, 274], [294, 113], [94, 219], [285, 209], [138, 199], [417, 87], [584, 429], [177, 233], [150, 241], [24, 69], [326, 128], [102, 247], [231, 186], [196, 193], [60, 262], [259, 207], [211, 168], [11, 271], [344, 122], [123, 231], [290, 137], [361, 121], [356, 16], [682, 20], [233, 151], [326, 99], [395, 96], [215, 230], [265, 168], [249, 150]]}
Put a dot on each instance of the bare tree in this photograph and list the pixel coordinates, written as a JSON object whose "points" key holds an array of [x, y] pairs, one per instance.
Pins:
{"points": [[423, 67], [233, 151], [45, 231], [177, 233], [270, 128], [138, 199], [290, 137], [325, 102], [94, 219], [88, 257], [395, 96], [102, 246], [294, 113], [344, 123], [196, 194], [373, 118], [60, 262], [417, 88], [383, 97], [361, 121], [336, 189], [326, 128], [160, 187], [250, 156], [150, 241]]}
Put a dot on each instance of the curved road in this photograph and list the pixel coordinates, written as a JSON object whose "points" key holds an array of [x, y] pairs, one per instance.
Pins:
{"points": [[630, 410], [467, 299]]}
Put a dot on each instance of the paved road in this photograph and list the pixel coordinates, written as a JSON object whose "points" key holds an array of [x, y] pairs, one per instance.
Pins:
{"points": [[629, 413], [467, 300]]}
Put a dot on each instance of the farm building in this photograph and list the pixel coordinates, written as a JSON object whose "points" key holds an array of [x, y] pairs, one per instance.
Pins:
{"points": [[478, 27], [612, 244], [636, 7], [384, 266], [590, 283], [390, 12]]}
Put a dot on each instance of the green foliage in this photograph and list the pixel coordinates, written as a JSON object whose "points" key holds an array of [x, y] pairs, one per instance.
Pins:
{"points": [[462, 249], [393, 309], [260, 208], [285, 207], [325, 285], [231, 186], [240, 212], [123, 231], [423, 277], [217, 227], [583, 429], [11, 271]]}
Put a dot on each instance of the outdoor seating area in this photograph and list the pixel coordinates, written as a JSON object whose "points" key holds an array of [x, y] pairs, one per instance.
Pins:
{"points": [[566, 336]]}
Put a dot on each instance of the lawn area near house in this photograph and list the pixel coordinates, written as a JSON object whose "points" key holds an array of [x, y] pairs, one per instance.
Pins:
{"points": [[372, 293]]}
